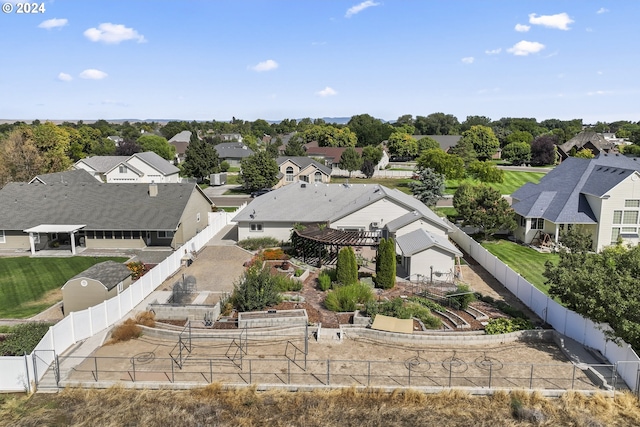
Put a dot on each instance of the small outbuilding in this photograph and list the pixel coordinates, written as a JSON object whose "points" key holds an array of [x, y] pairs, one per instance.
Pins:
{"points": [[96, 284], [427, 255]]}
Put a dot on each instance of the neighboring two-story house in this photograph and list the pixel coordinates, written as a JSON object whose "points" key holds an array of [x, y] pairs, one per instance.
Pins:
{"points": [[233, 152], [602, 195], [305, 169]]}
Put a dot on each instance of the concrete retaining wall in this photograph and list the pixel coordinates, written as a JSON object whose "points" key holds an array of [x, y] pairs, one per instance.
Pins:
{"points": [[273, 319], [190, 312]]}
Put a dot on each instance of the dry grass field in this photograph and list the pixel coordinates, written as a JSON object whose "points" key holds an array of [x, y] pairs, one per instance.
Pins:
{"points": [[214, 406]]}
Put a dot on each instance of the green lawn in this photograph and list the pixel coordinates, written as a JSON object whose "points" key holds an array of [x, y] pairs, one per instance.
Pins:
{"points": [[512, 181], [526, 261], [26, 283]]}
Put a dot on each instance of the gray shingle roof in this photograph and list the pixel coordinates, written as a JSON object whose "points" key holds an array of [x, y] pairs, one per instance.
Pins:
{"points": [[101, 164], [158, 163], [445, 141], [560, 197], [100, 207], [420, 240], [184, 136], [109, 273], [70, 177], [310, 202], [303, 162], [235, 150]]}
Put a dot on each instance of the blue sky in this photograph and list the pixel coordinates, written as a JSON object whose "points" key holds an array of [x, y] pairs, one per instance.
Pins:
{"points": [[275, 59]]}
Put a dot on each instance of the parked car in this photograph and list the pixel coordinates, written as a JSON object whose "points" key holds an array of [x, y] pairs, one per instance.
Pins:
{"points": [[260, 192]]}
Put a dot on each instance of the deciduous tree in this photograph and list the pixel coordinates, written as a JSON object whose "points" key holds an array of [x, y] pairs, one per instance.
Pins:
{"points": [[402, 145], [158, 145], [20, 159], [543, 150], [259, 170], [483, 140], [369, 130], [486, 172], [295, 146], [53, 143], [449, 165], [483, 207], [517, 153], [350, 160]]}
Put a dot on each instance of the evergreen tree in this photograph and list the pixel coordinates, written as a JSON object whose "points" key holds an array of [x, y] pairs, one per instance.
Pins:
{"points": [[295, 146], [429, 186], [347, 267], [259, 170], [386, 264], [350, 160], [201, 159]]}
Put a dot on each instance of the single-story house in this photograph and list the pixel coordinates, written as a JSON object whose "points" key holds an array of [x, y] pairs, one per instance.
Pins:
{"points": [[96, 284], [233, 152], [181, 142], [140, 167], [371, 209], [99, 215], [330, 156], [305, 169], [76, 176], [602, 195]]}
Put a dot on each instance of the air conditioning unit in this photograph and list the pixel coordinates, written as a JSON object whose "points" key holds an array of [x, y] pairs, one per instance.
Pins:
{"points": [[375, 224]]}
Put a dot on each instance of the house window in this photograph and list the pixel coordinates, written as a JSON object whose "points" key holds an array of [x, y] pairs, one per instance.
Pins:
{"points": [[615, 233], [165, 234], [2, 238], [629, 230], [256, 227], [120, 287], [318, 177], [523, 221], [632, 203], [537, 223], [198, 217], [630, 217], [304, 178], [617, 217], [289, 174], [123, 169]]}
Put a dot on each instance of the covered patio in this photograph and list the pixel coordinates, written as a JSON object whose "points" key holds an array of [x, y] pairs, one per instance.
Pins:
{"points": [[70, 229], [319, 245]]}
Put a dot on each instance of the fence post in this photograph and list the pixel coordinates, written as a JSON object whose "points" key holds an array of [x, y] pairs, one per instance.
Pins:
{"points": [[531, 378], [173, 377], [409, 374], [95, 363], [328, 372], [369, 374], [250, 380], [450, 369], [133, 362], [210, 370], [26, 370], [573, 377], [288, 371]]}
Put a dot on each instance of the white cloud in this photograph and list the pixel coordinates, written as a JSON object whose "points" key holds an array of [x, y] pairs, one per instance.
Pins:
{"points": [[524, 48], [65, 77], [493, 51], [602, 10], [599, 92], [468, 59], [327, 91], [93, 74], [521, 28], [53, 23], [600, 73], [359, 8], [113, 34], [267, 65], [558, 21]]}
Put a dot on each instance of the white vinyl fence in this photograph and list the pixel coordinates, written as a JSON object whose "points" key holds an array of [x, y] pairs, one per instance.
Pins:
{"points": [[17, 373], [562, 319]]}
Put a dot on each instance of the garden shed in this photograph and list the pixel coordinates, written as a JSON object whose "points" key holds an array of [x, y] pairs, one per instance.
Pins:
{"points": [[96, 284]]}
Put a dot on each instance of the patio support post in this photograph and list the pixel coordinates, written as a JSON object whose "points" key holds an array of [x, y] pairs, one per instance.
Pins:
{"points": [[557, 232], [73, 242], [32, 244]]}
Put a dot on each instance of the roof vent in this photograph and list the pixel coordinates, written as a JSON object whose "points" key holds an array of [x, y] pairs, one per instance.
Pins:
{"points": [[303, 185], [153, 189]]}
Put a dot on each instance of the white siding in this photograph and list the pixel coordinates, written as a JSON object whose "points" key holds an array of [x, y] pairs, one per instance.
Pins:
{"points": [[150, 173], [381, 212], [627, 189], [116, 176], [278, 230], [441, 261]]}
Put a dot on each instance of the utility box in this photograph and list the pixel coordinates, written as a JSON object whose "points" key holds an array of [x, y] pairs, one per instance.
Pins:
{"points": [[218, 179]]}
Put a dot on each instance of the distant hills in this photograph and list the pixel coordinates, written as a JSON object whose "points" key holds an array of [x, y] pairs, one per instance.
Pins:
{"points": [[336, 120]]}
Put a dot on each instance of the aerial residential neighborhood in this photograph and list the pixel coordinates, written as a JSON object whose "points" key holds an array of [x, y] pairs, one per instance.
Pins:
{"points": [[319, 213]]}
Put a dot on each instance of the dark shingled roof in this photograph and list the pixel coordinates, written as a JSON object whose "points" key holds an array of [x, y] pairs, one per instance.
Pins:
{"points": [[109, 273], [560, 197], [100, 207], [233, 150], [303, 162]]}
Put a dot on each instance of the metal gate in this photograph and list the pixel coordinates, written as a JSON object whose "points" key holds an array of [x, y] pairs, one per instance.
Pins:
{"points": [[46, 369]]}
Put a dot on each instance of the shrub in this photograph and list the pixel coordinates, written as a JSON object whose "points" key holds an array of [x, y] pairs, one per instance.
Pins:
{"points": [[347, 268], [386, 264], [274, 254], [346, 298], [504, 326], [256, 243], [224, 166], [137, 268], [284, 284], [256, 290], [23, 338], [299, 272], [324, 281], [402, 309], [463, 296], [431, 305], [146, 318], [127, 330]]}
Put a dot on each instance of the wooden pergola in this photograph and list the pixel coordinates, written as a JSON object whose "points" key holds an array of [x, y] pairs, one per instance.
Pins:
{"points": [[318, 245]]}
